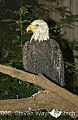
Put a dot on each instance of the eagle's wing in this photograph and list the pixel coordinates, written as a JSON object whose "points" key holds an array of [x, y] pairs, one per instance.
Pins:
{"points": [[58, 64]]}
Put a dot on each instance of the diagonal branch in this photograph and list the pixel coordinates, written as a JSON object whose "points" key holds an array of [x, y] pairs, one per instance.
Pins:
{"points": [[57, 97]]}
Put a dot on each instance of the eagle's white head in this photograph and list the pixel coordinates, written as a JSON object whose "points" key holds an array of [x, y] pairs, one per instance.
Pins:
{"points": [[40, 30]]}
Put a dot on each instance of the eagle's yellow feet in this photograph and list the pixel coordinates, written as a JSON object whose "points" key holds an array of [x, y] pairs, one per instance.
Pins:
{"points": [[45, 91], [36, 93]]}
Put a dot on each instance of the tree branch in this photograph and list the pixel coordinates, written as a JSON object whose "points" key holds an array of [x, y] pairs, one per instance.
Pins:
{"points": [[58, 97]]}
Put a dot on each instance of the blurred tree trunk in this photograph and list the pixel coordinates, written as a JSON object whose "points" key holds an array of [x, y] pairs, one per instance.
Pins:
{"points": [[72, 34], [54, 97]]}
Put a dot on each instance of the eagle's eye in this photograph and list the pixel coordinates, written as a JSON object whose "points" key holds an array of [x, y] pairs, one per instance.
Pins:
{"points": [[37, 25]]}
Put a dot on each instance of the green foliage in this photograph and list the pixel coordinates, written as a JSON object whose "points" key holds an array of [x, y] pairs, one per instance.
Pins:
{"points": [[21, 12], [11, 88]]}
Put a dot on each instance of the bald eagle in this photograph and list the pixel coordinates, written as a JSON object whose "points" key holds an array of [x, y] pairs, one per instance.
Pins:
{"points": [[42, 55]]}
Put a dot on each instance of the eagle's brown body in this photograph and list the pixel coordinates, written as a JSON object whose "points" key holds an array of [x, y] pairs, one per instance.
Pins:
{"points": [[44, 57]]}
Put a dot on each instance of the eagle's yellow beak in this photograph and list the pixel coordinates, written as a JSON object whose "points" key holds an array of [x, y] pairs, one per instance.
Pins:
{"points": [[30, 27]]}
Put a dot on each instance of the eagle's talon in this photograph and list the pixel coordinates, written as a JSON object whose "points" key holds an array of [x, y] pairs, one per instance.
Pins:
{"points": [[45, 91], [36, 93]]}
